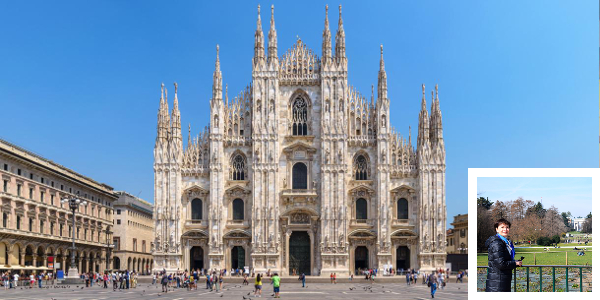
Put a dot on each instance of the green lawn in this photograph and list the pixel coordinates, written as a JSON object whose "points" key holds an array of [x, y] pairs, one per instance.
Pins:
{"points": [[545, 258]]}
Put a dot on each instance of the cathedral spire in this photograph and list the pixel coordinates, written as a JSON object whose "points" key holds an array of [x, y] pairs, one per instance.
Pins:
{"points": [[272, 38], [259, 40], [189, 135], [382, 80], [340, 39], [423, 136], [176, 118], [217, 93], [326, 38], [436, 118], [161, 128]]}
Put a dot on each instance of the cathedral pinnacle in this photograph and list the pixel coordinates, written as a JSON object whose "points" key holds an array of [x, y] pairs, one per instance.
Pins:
{"points": [[217, 79], [259, 48], [340, 39], [326, 38], [382, 79], [272, 37]]}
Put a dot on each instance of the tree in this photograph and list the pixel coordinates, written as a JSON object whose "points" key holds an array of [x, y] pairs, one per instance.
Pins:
{"points": [[586, 227], [499, 210], [482, 201], [537, 209], [566, 216], [589, 215], [553, 222], [485, 227]]}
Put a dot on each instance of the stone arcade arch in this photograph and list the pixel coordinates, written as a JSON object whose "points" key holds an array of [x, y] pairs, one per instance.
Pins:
{"points": [[195, 244], [404, 244], [362, 249], [238, 250]]}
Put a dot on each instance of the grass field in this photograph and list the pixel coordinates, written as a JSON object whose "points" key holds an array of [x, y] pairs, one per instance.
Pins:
{"points": [[552, 257]]}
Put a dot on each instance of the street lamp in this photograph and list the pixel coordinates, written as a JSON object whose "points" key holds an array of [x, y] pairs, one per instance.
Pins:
{"points": [[74, 204], [108, 246]]}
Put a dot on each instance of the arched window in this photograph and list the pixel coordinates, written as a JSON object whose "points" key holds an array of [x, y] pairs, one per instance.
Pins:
{"points": [[196, 209], [402, 208], [361, 209], [299, 117], [299, 177], [361, 168], [238, 167], [238, 209]]}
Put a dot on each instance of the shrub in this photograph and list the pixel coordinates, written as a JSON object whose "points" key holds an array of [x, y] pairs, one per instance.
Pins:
{"points": [[544, 241], [556, 239]]}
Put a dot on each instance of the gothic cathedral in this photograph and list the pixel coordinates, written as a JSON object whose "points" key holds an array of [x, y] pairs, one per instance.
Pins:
{"points": [[299, 173]]}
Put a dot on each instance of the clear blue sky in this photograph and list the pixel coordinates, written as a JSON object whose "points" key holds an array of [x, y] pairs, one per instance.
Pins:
{"points": [[572, 194], [518, 80]]}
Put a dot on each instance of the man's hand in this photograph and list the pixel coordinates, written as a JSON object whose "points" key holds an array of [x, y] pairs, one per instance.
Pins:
{"points": [[519, 263]]}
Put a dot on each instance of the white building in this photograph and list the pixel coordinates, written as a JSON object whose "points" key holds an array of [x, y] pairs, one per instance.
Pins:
{"points": [[299, 172]]}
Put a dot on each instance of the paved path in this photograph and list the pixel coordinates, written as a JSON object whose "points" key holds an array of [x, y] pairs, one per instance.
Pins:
{"points": [[356, 290]]}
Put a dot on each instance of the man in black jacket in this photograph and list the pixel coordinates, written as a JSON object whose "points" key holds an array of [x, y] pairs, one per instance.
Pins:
{"points": [[501, 259]]}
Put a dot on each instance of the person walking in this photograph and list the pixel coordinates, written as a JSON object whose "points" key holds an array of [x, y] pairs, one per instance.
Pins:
{"points": [[408, 278], [303, 278], [432, 283], [275, 280], [258, 285], [164, 281]]}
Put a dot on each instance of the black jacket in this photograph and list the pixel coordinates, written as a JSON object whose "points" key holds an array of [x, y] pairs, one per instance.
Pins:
{"points": [[500, 266]]}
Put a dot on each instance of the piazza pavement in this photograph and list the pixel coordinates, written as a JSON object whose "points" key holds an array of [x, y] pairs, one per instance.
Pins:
{"points": [[232, 289]]}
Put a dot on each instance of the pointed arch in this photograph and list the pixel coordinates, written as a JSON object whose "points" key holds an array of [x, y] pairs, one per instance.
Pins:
{"points": [[238, 166], [300, 107], [361, 166]]}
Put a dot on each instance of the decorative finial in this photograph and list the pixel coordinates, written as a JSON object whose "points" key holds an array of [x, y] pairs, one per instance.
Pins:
{"points": [[217, 50], [175, 87], [381, 49], [326, 9], [423, 87], [436, 91], [372, 92], [340, 11], [226, 88]]}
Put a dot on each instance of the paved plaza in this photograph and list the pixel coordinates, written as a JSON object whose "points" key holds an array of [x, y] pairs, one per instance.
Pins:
{"points": [[357, 290]]}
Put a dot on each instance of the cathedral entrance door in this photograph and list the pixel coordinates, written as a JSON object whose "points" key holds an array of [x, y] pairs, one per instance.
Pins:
{"points": [[299, 252], [196, 258], [403, 258], [238, 257], [361, 258]]}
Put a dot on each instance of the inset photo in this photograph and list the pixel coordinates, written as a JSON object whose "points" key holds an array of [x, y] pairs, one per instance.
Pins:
{"points": [[534, 229]]}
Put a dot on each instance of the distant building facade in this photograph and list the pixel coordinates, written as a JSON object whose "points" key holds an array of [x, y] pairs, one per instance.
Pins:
{"points": [[457, 238], [35, 233], [576, 223], [133, 233]]}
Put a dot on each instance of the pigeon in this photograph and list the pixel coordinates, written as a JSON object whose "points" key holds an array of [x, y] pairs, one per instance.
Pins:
{"points": [[221, 295], [248, 294], [244, 297], [82, 288]]}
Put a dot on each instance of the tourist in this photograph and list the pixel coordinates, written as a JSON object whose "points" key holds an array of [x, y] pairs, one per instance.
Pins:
{"points": [[258, 285], [207, 280], [432, 283], [501, 258], [303, 278], [245, 279], [275, 280], [408, 278], [153, 278], [164, 281]]}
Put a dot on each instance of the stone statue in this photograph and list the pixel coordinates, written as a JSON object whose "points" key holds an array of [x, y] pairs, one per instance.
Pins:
{"points": [[285, 183]]}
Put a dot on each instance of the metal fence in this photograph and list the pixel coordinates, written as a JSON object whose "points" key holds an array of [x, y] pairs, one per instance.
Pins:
{"points": [[544, 278]]}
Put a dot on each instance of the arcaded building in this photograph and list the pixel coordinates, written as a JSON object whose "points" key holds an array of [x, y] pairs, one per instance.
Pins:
{"points": [[35, 234], [133, 233], [300, 171]]}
